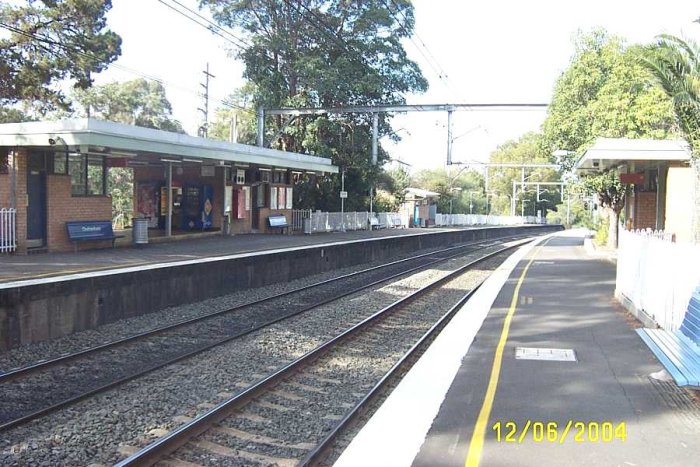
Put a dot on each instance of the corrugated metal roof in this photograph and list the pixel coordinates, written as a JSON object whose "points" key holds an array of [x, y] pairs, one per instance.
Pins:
{"points": [[608, 152], [121, 137]]}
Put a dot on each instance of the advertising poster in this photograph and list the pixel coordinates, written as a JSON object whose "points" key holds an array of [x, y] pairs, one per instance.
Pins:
{"points": [[146, 203], [281, 198], [246, 197], [273, 197], [289, 197]]}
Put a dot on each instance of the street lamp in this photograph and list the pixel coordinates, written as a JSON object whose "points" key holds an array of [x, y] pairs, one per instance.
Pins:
{"points": [[471, 204]]}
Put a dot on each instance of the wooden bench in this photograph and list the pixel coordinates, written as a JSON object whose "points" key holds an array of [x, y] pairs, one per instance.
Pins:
{"points": [[83, 231], [679, 351], [278, 221]]}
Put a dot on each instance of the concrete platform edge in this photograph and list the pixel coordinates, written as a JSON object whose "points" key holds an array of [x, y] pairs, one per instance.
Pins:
{"points": [[394, 434]]}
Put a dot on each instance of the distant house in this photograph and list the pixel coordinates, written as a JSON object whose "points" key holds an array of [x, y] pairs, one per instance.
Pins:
{"points": [[420, 206], [662, 197]]}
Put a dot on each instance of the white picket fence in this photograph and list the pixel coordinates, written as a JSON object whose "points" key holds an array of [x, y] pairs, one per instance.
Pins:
{"points": [[445, 220], [656, 275], [8, 230]]}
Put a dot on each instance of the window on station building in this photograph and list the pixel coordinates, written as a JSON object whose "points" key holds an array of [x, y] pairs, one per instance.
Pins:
{"points": [[4, 161], [59, 163], [87, 175], [279, 176]]}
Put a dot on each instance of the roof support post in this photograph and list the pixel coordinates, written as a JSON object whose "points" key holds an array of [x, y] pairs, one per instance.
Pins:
{"points": [[169, 217], [261, 126], [449, 137], [375, 137]]}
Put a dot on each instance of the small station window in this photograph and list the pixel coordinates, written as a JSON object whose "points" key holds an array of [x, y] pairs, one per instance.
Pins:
{"points": [[4, 161], [87, 175]]}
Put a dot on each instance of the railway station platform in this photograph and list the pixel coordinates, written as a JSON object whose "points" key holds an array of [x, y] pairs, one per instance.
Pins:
{"points": [[540, 367], [23, 267]]}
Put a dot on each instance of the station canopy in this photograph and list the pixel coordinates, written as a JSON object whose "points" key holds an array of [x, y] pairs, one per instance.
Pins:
{"points": [[608, 153], [129, 146]]}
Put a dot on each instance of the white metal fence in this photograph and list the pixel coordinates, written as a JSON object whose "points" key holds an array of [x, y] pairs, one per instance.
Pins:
{"points": [[333, 221], [8, 230], [444, 220], [656, 275]]}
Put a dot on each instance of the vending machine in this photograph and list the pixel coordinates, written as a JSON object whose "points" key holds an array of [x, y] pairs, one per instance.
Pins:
{"points": [[197, 207]]}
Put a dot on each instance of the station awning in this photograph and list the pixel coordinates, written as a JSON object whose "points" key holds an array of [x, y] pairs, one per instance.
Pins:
{"points": [[607, 153], [117, 140]]}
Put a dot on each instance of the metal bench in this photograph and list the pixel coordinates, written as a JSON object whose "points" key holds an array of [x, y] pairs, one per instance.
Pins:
{"points": [[679, 351], [82, 231], [374, 224], [278, 221]]}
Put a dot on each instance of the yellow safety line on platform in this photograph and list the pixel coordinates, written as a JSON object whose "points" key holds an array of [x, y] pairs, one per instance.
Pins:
{"points": [[476, 445]]}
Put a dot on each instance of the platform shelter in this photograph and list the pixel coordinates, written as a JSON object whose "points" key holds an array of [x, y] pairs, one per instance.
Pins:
{"points": [[662, 180], [55, 172]]}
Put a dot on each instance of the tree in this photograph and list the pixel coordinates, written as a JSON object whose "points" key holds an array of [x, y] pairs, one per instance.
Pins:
{"points": [[52, 41], [611, 193], [325, 53], [233, 109], [139, 102], [529, 149], [12, 115], [675, 66], [453, 187], [604, 92]]}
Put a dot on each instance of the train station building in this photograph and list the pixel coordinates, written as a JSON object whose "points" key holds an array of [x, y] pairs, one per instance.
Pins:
{"points": [[663, 183], [52, 173]]}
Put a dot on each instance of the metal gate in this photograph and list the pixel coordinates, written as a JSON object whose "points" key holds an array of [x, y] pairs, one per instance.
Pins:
{"points": [[8, 229]]}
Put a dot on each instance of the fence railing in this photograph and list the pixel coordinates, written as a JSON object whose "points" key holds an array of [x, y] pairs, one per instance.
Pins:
{"points": [[445, 220], [8, 230], [336, 221], [656, 275]]}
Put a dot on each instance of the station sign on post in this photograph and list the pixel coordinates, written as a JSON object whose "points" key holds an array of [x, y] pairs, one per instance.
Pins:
{"points": [[343, 194]]}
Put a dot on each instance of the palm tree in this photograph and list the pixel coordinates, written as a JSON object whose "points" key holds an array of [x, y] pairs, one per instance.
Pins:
{"points": [[675, 66]]}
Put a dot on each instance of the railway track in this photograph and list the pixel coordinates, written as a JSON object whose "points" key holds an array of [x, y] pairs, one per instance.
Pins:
{"points": [[36, 390], [293, 416]]}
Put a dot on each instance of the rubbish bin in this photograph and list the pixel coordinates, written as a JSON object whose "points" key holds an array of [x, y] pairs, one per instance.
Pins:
{"points": [[140, 230], [307, 226]]}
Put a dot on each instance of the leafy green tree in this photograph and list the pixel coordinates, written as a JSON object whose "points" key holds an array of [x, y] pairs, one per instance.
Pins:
{"points": [[605, 92], [454, 189], [233, 110], [675, 66], [12, 115], [325, 53], [529, 149], [52, 41], [611, 193], [138, 102]]}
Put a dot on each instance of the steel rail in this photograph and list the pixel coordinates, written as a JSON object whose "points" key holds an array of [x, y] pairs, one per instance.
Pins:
{"points": [[169, 443], [52, 408], [41, 365]]}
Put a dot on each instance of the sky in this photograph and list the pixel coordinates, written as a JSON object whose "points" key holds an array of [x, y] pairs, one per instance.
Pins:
{"points": [[496, 51]]}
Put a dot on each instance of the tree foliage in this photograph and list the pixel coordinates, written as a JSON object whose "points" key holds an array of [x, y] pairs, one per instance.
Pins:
{"points": [[675, 66], [51, 41], [138, 102], [529, 149], [330, 53], [454, 188], [604, 92]]}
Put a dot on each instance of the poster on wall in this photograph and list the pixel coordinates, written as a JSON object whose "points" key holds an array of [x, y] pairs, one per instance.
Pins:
{"points": [[281, 197], [246, 197], [241, 200], [146, 203], [289, 197], [273, 197]]}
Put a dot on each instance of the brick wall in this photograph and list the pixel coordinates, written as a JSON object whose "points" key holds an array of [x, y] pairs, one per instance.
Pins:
{"points": [[4, 191], [62, 207], [645, 210]]}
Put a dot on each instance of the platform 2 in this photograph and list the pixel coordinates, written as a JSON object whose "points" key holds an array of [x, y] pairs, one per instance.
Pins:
{"points": [[551, 296]]}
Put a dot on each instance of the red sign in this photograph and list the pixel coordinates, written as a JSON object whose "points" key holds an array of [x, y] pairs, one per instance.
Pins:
{"points": [[632, 179]]}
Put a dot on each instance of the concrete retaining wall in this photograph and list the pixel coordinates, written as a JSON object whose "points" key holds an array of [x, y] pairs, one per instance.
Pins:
{"points": [[51, 308]]}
